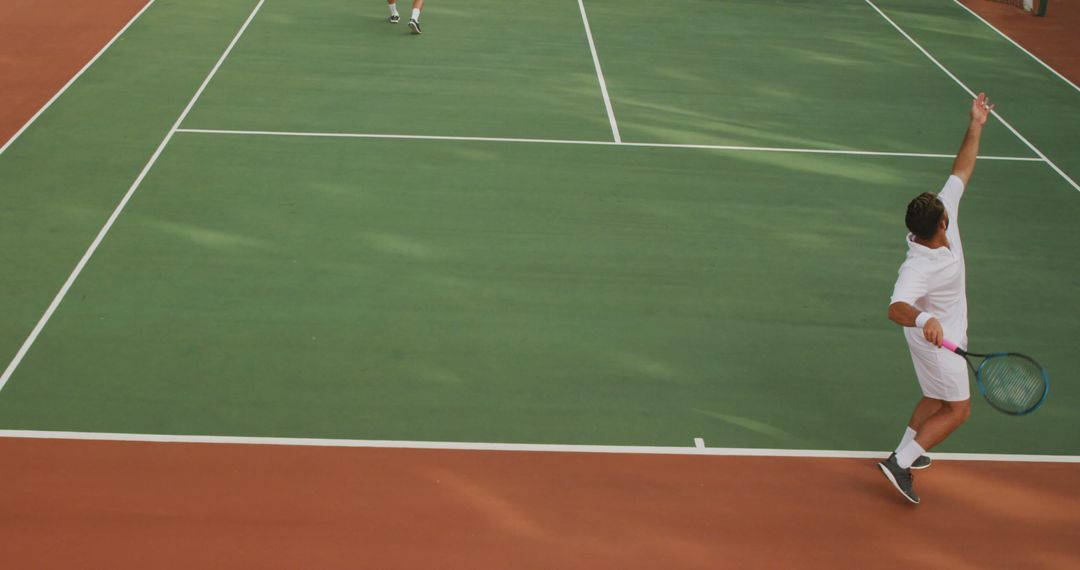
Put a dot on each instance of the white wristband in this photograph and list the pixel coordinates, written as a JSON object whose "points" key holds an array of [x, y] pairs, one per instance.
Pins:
{"points": [[920, 321]]}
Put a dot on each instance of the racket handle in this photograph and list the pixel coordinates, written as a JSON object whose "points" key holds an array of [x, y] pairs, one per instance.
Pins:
{"points": [[951, 346]]}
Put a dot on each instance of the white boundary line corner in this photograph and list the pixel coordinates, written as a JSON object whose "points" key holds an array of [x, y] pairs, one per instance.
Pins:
{"points": [[1020, 47], [119, 208], [71, 81], [600, 75], [972, 94]]}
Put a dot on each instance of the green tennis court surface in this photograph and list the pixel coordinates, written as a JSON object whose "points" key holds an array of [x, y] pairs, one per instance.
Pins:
{"points": [[534, 292]]}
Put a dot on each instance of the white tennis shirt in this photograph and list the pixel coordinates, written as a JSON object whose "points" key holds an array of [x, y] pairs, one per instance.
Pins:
{"points": [[934, 280]]}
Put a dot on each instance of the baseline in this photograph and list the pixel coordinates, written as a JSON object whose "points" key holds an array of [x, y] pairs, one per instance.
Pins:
{"points": [[527, 447]]}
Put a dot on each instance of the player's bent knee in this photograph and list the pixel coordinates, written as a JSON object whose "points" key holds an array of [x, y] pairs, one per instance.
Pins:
{"points": [[961, 411]]}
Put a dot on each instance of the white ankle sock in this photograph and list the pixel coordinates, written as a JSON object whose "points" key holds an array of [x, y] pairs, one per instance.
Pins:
{"points": [[393, 10], [416, 14], [909, 436], [908, 454]]}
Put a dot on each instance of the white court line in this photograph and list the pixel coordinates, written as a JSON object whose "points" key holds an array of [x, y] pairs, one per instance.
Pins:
{"points": [[525, 447], [1013, 42], [600, 75], [72, 80], [972, 94], [585, 142], [116, 213]]}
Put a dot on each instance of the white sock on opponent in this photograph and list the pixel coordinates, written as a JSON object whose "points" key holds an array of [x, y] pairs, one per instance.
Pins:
{"points": [[908, 454], [909, 436], [393, 10], [416, 14]]}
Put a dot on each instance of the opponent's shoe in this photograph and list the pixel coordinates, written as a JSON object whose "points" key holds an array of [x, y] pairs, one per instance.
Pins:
{"points": [[395, 18], [921, 463], [415, 27], [900, 478]]}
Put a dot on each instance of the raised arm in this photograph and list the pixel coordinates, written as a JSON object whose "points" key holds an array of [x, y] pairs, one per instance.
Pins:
{"points": [[969, 149]]}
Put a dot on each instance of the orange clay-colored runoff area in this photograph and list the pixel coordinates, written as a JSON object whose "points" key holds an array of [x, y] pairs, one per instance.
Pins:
{"points": [[43, 43], [69, 504], [1051, 38]]}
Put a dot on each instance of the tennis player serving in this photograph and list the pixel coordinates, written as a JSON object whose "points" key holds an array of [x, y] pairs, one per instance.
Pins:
{"points": [[930, 302]]}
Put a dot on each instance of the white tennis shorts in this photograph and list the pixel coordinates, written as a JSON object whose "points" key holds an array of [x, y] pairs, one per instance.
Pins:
{"points": [[943, 375]]}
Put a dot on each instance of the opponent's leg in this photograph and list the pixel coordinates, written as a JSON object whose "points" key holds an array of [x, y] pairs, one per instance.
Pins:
{"points": [[394, 16], [414, 20]]}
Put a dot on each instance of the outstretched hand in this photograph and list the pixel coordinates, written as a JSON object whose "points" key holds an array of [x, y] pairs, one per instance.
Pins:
{"points": [[980, 109]]}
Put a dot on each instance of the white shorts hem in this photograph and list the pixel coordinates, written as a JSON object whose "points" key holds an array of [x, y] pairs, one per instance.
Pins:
{"points": [[942, 375]]}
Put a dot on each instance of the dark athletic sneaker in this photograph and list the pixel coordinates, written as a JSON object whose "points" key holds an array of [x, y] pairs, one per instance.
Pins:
{"points": [[921, 463], [415, 27], [900, 478], [395, 18]]}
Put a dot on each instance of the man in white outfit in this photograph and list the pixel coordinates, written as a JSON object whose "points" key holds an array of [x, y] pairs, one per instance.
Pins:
{"points": [[930, 301]]}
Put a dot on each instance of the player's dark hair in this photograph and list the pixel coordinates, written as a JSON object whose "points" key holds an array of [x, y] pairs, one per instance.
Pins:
{"points": [[924, 214]]}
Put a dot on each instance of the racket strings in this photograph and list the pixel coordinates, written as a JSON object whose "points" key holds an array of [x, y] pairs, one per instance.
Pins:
{"points": [[1012, 383]]}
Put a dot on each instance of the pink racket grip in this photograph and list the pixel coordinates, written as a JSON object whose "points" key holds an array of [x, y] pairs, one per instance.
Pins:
{"points": [[949, 344]]}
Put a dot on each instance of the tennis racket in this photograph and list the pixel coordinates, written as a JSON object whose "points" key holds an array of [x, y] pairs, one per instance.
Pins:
{"points": [[1011, 382]]}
